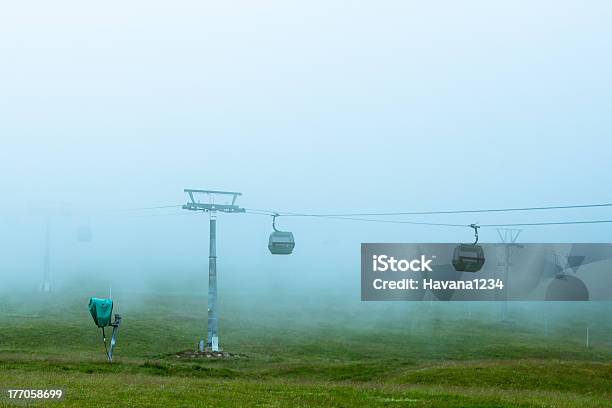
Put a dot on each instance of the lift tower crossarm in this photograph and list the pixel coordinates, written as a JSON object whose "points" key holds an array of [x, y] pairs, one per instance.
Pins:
{"points": [[196, 205]]}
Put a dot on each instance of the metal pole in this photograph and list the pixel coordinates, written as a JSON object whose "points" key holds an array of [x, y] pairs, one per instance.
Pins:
{"points": [[212, 340], [113, 341], [587, 338], [505, 303]]}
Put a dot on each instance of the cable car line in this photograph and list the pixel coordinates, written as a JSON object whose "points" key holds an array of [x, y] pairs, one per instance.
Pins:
{"points": [[485, 210], [372, 214], [358, 216], [524, 224], [158, 215], [435, 224], [537, 224], [149, 208], [365, 219]]}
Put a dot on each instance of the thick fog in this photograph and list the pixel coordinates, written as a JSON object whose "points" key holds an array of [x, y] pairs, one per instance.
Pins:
{"points": [[325, 106]]}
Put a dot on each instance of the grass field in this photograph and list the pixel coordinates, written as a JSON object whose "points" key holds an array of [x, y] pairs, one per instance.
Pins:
{"points": [[299, 351]]}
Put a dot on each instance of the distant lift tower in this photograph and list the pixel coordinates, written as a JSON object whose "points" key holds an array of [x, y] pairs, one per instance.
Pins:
{"points": [[212, 201], [51, 213], [46, 282], [508, 238]]}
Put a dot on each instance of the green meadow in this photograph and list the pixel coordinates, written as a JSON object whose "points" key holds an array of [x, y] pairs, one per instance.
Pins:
{"points": [[299, 351]]}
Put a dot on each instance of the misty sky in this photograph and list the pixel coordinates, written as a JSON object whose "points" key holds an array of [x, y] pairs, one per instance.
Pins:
{"points": [[302, 106]]}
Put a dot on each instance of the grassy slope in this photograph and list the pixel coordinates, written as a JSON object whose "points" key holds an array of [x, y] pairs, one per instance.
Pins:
{"points": [[306, 354]]}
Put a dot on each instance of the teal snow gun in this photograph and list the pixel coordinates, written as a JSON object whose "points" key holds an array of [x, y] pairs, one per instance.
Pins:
{"points": [[101, 311]]}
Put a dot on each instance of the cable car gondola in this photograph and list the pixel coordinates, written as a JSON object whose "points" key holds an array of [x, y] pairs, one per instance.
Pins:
{"points": [[469, 257], [566, 287], [280, 242]]}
